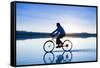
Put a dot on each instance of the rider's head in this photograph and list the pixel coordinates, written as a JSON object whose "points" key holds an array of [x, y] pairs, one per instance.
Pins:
{"points": [[58, 24]]}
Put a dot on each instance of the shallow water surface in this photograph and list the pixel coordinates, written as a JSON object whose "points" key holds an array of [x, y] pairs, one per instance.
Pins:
{"points": [[31, 51]]}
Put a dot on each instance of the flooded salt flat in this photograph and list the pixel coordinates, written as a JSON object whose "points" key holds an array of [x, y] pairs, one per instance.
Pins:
{"points": [[31, 51]]}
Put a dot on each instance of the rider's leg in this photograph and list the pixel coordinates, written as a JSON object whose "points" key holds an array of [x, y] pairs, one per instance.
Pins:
{"points": [[58, 42]]}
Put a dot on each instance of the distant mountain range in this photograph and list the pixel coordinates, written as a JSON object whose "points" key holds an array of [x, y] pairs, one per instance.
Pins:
{"points": [[22, 35]]}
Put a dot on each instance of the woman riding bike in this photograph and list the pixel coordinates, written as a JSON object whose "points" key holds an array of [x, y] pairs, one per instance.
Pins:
{"points": [[59, 33]]}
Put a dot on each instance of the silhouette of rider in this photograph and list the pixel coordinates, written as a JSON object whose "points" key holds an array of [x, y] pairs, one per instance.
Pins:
{"points": [[59, 33]]}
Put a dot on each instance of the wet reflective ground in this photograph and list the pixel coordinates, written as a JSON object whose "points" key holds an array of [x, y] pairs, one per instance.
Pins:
{"points": [[31, 51]]}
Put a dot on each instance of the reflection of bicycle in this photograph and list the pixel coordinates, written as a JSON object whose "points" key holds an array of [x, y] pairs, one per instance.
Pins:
{"points": [[65, 57], [48, 57], [50, 45]]}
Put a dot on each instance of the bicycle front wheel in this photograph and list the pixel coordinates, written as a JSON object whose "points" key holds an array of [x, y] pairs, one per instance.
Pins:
{"points": [[67, 45], [48, 58], [48, 46]]}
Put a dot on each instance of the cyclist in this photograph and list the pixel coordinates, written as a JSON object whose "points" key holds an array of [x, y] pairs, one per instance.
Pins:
{"points": [[59, 33]]}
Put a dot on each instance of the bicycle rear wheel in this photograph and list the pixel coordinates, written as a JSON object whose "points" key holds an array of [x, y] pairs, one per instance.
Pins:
{"points": [[67, 45], [48, 46], [67, 56]]}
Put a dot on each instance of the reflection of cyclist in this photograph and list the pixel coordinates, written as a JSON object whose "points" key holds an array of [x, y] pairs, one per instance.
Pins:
{"points": [[59, 59], [59, 32]]}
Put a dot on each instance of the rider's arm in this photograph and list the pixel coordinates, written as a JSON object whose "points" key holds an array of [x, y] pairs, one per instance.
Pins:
{"points": [[54, 32]]}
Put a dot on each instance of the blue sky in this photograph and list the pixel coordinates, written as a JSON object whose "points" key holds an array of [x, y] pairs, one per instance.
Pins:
{"points": [[43, 18]]}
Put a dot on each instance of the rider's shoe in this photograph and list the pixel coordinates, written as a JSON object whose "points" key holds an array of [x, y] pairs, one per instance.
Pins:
{"points": [[57, 46]]}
